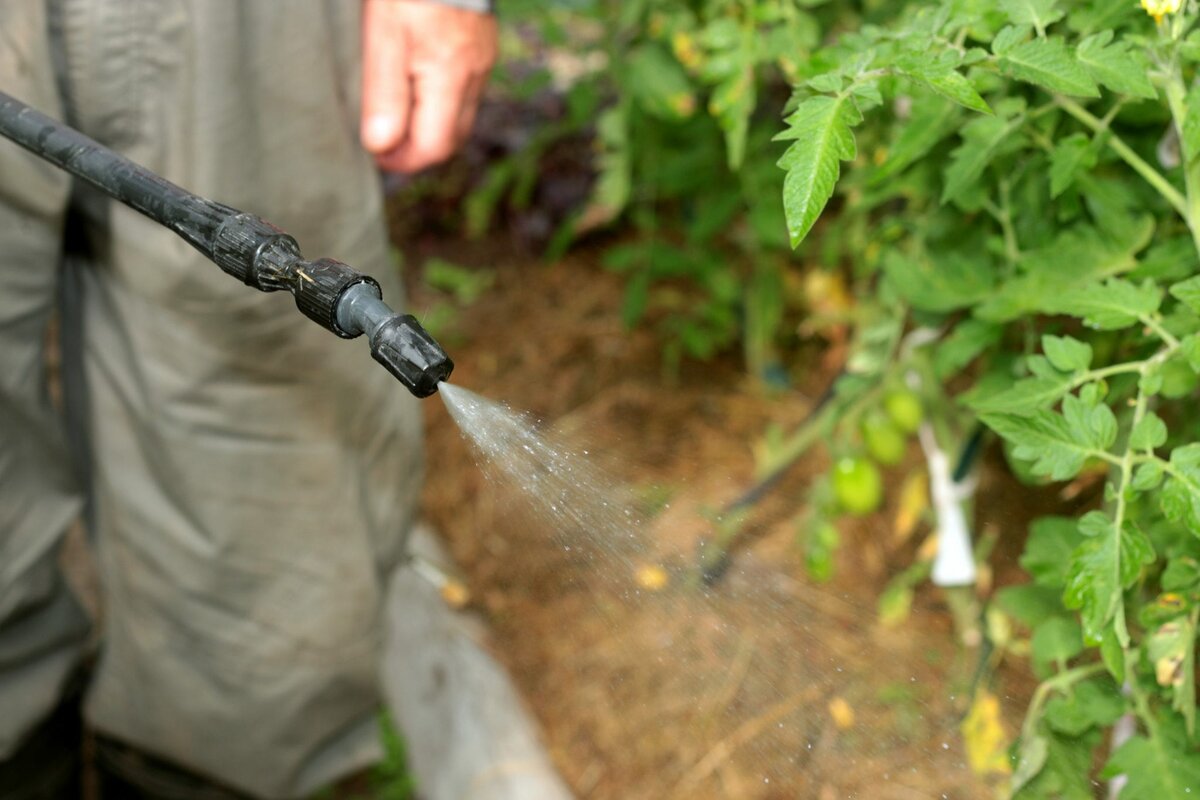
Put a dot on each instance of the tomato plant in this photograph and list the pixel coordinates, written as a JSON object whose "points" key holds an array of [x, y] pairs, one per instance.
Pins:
{"points": [[1023, 195]]}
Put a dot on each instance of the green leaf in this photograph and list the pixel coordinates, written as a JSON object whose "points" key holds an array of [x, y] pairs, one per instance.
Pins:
{"points": [[1147, 476], [1100, 569], [1030, 759], [1090, 704], [1076, 258], [1066, 770], [821, 127], [984, 139], [1025, 396], [1055, 640], [967, 340], [1163, 765], [955, 86], [732, 103], [659, 83], [1067, 354], [1048, 550], [1058, 444], [1149, 433], [1180, 496], [1108, 306], [1112, 64], [1070, 157], [945, 283], [1181, 575], [1038, 13], [1113, 655], [938, 71], [1043, 62], [932, 120], [1030, 603], [1188, 293]]}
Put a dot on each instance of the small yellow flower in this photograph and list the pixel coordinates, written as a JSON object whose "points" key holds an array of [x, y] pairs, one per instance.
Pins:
{"points": [[842, 713], [651, 577], [1160, 8]]}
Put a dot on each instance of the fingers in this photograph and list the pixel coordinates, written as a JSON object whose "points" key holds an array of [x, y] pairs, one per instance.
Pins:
{"points": [[424, 68], [470, 105], [434, 130], [387, 87]]}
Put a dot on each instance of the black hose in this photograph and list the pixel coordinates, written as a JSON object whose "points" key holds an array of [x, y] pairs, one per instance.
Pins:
{"points": [[243, 245], [194, 218]]}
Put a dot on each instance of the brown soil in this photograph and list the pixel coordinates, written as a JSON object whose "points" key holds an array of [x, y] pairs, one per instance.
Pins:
{"points": [[685, 691]]}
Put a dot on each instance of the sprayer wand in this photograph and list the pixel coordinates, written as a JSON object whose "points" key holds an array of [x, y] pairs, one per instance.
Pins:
{"points": [[332, 294]]}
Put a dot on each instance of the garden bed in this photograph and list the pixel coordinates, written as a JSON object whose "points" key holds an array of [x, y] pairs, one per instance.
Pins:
{"points": [[762, 685]]}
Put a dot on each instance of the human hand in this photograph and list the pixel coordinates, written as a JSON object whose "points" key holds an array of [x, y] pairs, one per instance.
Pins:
{"points": [[424, 68]]}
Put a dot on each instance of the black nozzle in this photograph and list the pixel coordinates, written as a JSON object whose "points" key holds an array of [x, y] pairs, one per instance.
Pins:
{"points": [[411, 354], [397, 340]]}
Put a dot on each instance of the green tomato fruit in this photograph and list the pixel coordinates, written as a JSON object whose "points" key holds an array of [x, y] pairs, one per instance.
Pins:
{"points": [[904, 407], [884, 440], [857, 485]]}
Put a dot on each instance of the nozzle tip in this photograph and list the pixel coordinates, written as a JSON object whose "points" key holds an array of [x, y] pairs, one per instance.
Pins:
{"points": [[413, 356]]}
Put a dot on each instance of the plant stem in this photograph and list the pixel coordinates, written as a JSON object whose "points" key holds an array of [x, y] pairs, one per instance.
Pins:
{"points": [[1060, 682], [1160, 331], [1177, 100], [1126, 475], [1149, 173]]}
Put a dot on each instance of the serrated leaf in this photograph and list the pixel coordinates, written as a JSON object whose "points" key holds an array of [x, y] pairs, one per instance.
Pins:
{"points": [[1112, 64], [821, 127], [1180, 496], [1047, 63], [1067, 354], [1108, 306], [939, 73], [1190, 348], [1149, 433], [1038, 13], [1159, 766], [1048, 550], [967, 340], [1058, 444], [983, 140], [1188, 293], [1076, 258], [945, 283], [1090, 704], [1009, 37], [1070, 157], [1025, 396], [1101, 567]]}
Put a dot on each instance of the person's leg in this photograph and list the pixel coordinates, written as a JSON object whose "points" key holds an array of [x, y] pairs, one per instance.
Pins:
{"points": [[253, 475], [43, 630]]}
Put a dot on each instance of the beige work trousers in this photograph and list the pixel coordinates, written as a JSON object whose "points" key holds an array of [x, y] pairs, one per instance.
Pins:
{"points": [[248, 477]]}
